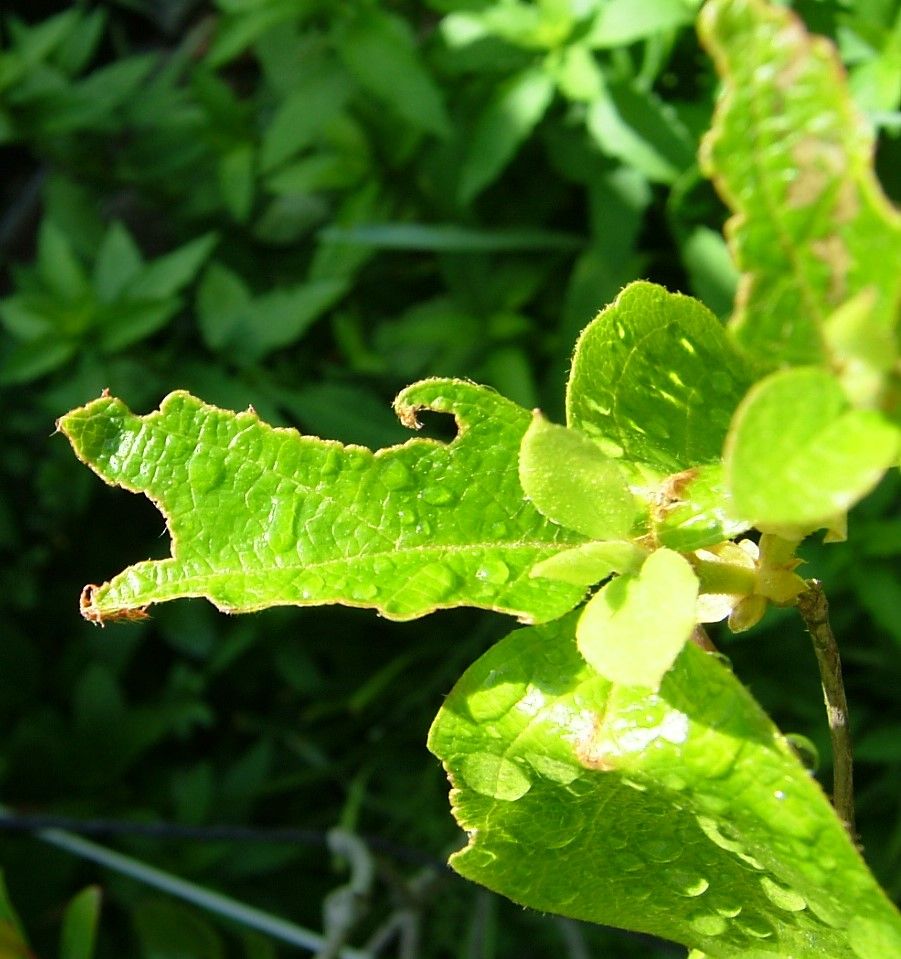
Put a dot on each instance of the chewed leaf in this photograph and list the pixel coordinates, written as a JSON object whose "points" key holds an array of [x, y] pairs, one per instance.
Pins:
{"points": [[633, 628], [797, 454], [262, 517], [682, 813], [655, 380], [793, 159], [570, 481]]}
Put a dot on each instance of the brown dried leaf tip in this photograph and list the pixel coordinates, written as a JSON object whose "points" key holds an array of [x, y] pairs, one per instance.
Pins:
{"points": [[93, 615]]}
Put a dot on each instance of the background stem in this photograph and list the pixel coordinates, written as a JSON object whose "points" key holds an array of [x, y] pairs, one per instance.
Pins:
{"points": [[815, 611]]}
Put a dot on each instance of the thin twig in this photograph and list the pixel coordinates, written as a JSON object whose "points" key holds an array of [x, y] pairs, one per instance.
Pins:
{"points": [[815, 612]]}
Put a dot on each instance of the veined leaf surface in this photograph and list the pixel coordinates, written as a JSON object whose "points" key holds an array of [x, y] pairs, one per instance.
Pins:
{"points": [[262, 516], [682, 813]]}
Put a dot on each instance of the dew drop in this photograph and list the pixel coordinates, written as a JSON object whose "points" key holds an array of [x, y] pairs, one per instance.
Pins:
{"points": [[755, 927], [494, 776], [364, 591], [396, 475], [493, 571], [708, 924], [406, 517], [438, 495], [311, 586], [281, 531], [662, 850], [206, 471], [691, 885], [786, 899], [331, 463], [437, 580]]}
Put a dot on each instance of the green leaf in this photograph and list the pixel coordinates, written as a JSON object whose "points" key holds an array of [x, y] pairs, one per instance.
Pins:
{"points": [[236, 180], [13, 943], [620, 22], [80, 921], [571, 482], [633, 628], [57, 263], [503, 126], [640, 130], [118, 262], [589, 563], [262, 516], [682, 813], [448, 237], [655, 380], [798, 455], [168, 929], [792, 158], [302, 115], [694, 509], [380, 50], [167, 274]]}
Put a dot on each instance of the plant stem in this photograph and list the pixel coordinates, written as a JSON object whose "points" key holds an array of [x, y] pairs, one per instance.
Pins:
{"points": [[815, 612]]}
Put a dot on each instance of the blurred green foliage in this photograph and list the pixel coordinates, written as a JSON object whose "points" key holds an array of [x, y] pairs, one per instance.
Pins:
{"points": [[304, 205]]}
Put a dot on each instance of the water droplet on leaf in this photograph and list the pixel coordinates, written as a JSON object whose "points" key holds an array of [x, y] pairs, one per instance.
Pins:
{"points": [[786, 899], [494, 571], [396, 475], [438, 495], [206, 471], [708, 924], [494, 776], [437, 580]]}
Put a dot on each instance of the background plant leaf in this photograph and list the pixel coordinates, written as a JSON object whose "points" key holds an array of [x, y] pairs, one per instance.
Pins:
{"points": [[792, 157], [558, 773], [262, 517]]}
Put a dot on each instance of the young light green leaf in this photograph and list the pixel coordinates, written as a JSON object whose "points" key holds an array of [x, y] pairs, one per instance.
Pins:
{"points": [[571, 482], [118, 262], [80, 921], [262, 516], [380, 50], [655, 380], [506, 122], [798, 455], [557, 774], [633, 628], [589, 563], [792, 157]]}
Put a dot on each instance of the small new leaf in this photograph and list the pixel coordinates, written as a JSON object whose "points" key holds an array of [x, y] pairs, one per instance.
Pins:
{"points": [[571, 482], [633, 628]]}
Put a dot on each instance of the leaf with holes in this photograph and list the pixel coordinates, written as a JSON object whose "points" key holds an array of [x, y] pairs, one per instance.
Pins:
{"points": [[262, 517], [682, 813]]}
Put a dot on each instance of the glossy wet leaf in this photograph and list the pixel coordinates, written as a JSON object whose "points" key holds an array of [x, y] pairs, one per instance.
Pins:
{"points": [[261, 516], [681, 813], [633, 628], [654, 379], [570, 481], [798, 454], [792, 157]]}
